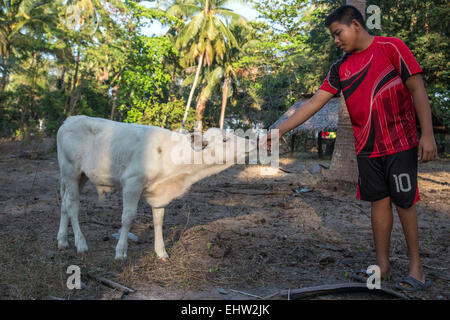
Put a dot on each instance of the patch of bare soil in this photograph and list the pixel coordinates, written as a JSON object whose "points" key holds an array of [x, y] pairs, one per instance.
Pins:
{"points": [[238, 231]]}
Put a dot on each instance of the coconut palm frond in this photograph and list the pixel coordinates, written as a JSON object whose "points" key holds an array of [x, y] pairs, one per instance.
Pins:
{"points": [[190, 32]]}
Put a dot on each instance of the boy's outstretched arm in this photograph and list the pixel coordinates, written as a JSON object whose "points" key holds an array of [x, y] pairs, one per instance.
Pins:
{"points": [[427, 145], [306, 111]]}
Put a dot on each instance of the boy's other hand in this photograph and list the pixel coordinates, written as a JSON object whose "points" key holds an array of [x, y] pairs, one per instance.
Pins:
{"points": [[427, 148]]}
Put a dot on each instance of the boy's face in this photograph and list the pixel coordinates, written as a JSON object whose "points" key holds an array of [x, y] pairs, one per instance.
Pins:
{"points": [[344, 35]]}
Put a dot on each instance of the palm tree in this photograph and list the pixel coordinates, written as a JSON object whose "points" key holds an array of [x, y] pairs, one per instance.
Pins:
{"points": [[343, 163], [228, 72], [211, 78], [224, 73], [205, 39], [245, 40]]}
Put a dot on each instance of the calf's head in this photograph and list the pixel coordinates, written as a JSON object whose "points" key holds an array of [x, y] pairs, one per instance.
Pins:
{"points": [[222, 147], [216, 146]]}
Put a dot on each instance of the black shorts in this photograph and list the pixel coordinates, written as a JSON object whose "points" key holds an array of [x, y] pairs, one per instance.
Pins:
{"points": [[392, 176]]}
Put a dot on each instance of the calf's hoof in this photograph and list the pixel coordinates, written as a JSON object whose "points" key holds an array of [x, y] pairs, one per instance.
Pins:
{"points": [[81, 246], [63, 244], [163, 257], [82, 249], [122, 256]]}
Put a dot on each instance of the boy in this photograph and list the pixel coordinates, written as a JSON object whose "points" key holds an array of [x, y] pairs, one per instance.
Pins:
{"points": [[381, 83]]}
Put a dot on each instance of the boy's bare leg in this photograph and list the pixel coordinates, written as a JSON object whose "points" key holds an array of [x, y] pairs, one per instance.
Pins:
{"points": [[408, 218], [382, 221]]}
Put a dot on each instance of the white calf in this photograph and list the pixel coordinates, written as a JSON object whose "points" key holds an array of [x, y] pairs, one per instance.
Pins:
{"points": [[152, 162]]}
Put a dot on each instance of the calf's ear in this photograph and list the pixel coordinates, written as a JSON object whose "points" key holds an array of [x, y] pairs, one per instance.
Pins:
{"points": [[197, 142], [204, 143]]}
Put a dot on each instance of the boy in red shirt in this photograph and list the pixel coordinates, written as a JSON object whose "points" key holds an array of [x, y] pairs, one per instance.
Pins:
{"points": [[383, 90]]}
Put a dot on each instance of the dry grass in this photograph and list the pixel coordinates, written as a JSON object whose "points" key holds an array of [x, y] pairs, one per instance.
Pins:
{"points": [[223, 239]]}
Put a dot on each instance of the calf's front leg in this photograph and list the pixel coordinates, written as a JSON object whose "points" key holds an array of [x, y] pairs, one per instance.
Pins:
{"points": [[158, 218], [131, 195]]}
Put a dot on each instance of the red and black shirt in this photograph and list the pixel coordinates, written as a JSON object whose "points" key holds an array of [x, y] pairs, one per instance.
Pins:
{"points": [[379, 103]]}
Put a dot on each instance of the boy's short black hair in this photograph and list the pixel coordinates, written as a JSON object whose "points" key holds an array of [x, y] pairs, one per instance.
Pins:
{"points": [[345, 14]]}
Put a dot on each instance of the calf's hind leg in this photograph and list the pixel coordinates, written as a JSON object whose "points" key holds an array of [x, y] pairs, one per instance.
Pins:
{"points": [[64, 222], [71, 204]]}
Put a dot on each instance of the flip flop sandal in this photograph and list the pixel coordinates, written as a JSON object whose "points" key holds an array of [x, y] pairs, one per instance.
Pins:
{"points": [[366, 276], [415, 284]]}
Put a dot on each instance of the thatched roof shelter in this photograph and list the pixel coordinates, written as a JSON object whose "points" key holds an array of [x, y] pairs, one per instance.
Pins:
{"points": [[326, 119]]}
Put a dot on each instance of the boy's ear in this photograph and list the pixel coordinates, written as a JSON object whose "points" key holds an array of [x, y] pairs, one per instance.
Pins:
{"points": [[357, 24]]}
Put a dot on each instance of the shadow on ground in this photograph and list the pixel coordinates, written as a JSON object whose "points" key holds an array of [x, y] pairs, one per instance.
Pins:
{"points": [[235, 232]]}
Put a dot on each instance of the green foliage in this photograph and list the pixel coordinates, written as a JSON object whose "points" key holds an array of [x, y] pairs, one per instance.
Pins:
{"points": [[145, 84], [90, 57], [54, 65], [424, 27], [296, 51], [290, 60], [145, 77]]}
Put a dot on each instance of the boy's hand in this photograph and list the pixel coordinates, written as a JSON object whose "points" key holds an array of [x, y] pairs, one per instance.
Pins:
{"points": [[306, 111], [427, 148], [266, 141], [427, 145]]}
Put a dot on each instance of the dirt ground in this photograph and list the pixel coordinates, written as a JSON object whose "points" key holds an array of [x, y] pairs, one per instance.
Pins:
{"points": [[233, 233]]}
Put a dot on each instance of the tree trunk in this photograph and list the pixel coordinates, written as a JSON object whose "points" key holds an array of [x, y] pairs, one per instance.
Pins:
{"points": [[319, 144], [200, 109], [343, 163], [224, 100], [25, 107], [360, 5], [195, 81], [293, 136], [114, 102], [5, 57], [60, 82], [191, 94], [73, 96], [114, 92]]}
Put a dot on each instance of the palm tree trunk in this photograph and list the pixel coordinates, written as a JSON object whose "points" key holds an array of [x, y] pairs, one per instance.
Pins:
{"points": [[343, 162], [191, 94], [196, 78], [224, 100], [200, 109], [206, 6], [358, 4]]}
